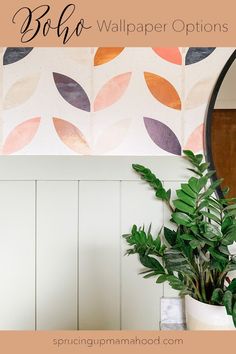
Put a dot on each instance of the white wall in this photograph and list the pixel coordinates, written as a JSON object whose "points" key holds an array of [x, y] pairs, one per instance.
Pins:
{"points": [[62, 263], [227, 95]]}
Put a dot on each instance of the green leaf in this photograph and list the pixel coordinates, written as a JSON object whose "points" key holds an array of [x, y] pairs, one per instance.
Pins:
{"points": [[212, 232], [168, 194], [189, 154], [162, 278], [211, 189], [193, 181], [181, 219], [232, 286], [195, 171], [182, 206], [225, 191], [204, 166], [186, 198], [229, 239], [217, 296], [228, 301], [215, 184], [186, 188], [134, 229], [218, 255], [151, 274], [162, 194], [199, 158], [203, 204], [231, 267], [187, 237], [230, 207], [224, 250], [234, 314], [211, 216], [201, 183], [210, 174], [230, 213], [194, 244], [170, 236], [153, 181], [152, 263]]}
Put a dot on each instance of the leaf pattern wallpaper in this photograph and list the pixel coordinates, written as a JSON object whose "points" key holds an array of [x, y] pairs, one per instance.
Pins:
{"points": [[106, 101]]}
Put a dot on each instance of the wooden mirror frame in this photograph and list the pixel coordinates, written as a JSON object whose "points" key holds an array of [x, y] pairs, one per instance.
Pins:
{"points": [[208, 121]]}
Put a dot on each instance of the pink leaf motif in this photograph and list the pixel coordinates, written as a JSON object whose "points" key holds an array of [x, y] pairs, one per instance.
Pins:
{"points": [[195, 141], [21, 136], [72, 92], [162, 136], [163, 90], [71, 136], [112, 136], [172, 55], [112, 91]]}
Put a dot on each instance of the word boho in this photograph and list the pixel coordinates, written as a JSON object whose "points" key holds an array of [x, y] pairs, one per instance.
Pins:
{"points": [[35, 22]]}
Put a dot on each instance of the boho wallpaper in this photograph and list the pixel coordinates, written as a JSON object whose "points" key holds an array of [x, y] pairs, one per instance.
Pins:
{"points": [[106, 101]]}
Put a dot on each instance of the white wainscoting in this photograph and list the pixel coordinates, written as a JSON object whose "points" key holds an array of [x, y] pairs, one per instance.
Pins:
{"points": [[62, 263]]}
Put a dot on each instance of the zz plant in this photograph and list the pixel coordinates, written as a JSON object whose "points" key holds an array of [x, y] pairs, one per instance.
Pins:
{"points": [[194, 258]]}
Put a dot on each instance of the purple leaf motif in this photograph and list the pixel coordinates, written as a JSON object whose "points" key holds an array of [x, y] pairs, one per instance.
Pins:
{"points": [[162, 136], [72, 92]]}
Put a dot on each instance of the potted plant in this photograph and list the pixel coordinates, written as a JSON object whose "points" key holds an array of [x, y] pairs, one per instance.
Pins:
{"points": [[197, 256]]}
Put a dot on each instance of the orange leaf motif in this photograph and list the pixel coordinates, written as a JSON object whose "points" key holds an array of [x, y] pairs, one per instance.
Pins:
{"points": [[21, 136], [163, 90], [104, 55], [71, 136]]}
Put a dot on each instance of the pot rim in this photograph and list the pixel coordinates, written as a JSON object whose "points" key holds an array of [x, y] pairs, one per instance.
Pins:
{"points": [[204, 303]]}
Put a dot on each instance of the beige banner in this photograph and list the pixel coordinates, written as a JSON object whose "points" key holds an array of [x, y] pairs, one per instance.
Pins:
{"points": [[117, 23], [108, 342]]}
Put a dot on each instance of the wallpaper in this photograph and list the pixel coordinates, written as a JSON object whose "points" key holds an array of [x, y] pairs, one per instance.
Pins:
{"points": [[106, 101]]}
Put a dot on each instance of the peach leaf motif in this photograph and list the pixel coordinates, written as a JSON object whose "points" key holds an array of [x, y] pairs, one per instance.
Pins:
{"points": [[71, 136], [21, 91], [112, 136], [162, 136], [104, 55], [200, 93], [171, 55], [112, 91], [163, 90], [72, 92], [195, 141], [21, 136]]}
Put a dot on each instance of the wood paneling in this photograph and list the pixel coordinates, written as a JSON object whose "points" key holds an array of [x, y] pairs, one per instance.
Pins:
{"points": [[223, 141]]}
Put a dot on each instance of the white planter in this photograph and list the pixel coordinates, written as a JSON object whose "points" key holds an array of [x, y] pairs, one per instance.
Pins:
{"points": [[200, 316]]}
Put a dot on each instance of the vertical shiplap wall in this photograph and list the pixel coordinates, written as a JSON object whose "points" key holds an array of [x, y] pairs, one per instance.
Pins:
{"points": [[62, 263]]}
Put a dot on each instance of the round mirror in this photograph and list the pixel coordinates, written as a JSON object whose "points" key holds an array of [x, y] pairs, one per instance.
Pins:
{"points": [[221, 127]]}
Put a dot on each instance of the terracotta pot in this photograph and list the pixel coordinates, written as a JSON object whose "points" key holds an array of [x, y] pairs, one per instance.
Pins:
{"points": [[200, 316]]}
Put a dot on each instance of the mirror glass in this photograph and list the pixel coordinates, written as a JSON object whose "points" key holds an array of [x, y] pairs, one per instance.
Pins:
{"points": [[223, 128]]}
